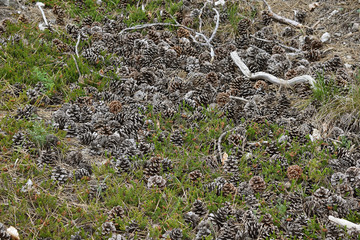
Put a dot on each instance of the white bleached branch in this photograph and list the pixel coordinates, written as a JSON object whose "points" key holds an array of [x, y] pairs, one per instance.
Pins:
{"points": [[345, 223], [40, 5], [76, 46], [268, 77], [282, 19]]}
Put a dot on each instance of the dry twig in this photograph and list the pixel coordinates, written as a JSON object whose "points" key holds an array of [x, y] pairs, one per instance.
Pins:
{"points": [[283, 19]]}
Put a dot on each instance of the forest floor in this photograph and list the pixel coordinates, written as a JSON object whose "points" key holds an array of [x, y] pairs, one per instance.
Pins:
{"points": [[108, 132]]}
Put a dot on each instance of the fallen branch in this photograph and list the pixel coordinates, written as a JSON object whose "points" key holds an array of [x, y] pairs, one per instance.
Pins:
{"points": [[345, 223], [282, 19], [40, 5], [271, 78], [207, 40], [276, 42], [238, 98], [76, 64], [76, 46]]}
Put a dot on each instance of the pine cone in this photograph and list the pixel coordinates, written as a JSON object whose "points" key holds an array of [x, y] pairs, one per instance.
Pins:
{"points": [[266, 18], [152, 167], [187, 21], [278, 50], [74, 158], [199, 208], [182, 32], [222, 98], [260, 84], [322, 193], [229, 230], [167, 165], [257, 184], [156, 181], [80, 173], [60, 14], [22, 18], [352, 175], [213, 79], [107, 228], [176, 234], [115, 212], [123, 164], [231, 165], [176, 138], [154, 35], [313, 55], [345, 190], [60, 175], [49, 157], [192, 218], [96, 191], [195, 176], [229, 189], [115, 107], [25, 113], [294, 172], [243, 26], [300, 16]]}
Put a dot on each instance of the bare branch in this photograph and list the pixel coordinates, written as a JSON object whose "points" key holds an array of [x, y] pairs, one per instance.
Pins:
{"points": [[76, 46], [345, 223], [137, 27], [271, 78], [276, 42], [216, 26], [239, 98], [76, 64], [283, 19], [40, 5]]}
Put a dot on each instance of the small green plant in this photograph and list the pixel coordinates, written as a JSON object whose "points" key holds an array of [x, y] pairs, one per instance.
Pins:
{"points": [[41, 76], [325, 89]]}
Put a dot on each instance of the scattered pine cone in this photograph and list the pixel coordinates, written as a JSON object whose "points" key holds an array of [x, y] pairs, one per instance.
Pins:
{"points": [[243, 26], [115, 212], [182, 32], [107, 228], [22, 18], [222, 99], [213, 79], [229, 189], [294, 172], [152, 167], [195, 176], [257, 183], [260, 84], [156, 181], [266, 18], [115, 107]]}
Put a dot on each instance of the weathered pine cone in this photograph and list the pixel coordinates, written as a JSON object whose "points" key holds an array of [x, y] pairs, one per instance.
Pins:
{"points": [[195, 176], [229, 189], [182, 32], [294, 172], [222, 99], [115, 107], [257, 184]]}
